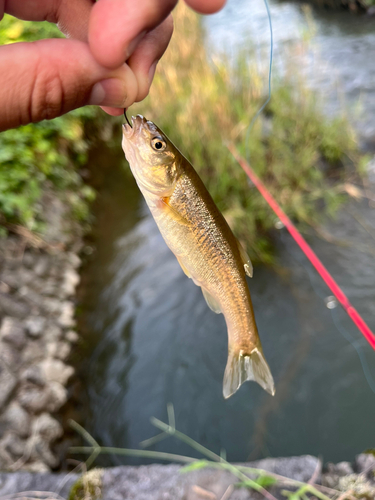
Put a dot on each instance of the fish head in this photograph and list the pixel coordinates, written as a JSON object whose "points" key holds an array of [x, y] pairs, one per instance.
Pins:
{"points": [[152, 157]]}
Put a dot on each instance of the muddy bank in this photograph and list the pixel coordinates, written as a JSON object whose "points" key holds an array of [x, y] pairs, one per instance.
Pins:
{"points": [[38, 278]]}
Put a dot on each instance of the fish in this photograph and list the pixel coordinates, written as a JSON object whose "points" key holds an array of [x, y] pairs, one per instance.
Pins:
{"points": [[199, 236]]}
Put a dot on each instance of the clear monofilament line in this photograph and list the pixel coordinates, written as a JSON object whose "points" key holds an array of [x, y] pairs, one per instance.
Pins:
{"points": [[249, 128]]}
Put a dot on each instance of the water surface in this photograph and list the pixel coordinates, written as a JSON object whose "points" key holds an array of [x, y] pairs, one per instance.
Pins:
{"points": [[154, 340]]}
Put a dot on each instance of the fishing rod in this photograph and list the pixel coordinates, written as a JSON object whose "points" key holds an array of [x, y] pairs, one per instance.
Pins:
{"points": [[307, 250], [305, 247]]}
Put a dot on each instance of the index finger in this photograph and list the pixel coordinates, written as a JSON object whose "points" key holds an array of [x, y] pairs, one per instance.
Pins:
{"points": [[117, 26]]}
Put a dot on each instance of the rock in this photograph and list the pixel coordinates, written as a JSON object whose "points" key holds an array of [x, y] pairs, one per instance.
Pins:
{"points": [[29, 259], [365, 463], [66, 318], [15, 419], [12, 331], [35, 375], [9, 281], [343, 468], [56, 371], [42, 266], [10, 306], [71, 280], [24, 277], [53, 332], [74, 260], [71, 336], [50, 287], [4, 287], [35, 326], [34, 399], [300, 468], [57, 397], [59, 350], [52, 306], [6, 461], [165, 482], [33, 352], [10, 355], [37, 467], [8, 382], [17, 482], [48, 428], [42, 452], [63, 350], [14, 445]]}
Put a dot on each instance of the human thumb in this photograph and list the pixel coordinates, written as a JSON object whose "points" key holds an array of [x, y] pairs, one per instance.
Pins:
{"points": [[45, 79]]}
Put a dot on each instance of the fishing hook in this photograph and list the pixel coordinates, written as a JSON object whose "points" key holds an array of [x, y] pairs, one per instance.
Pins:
{"points": [[126, 118]]}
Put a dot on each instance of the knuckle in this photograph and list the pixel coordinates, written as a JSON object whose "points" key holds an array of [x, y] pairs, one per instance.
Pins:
{"points": [[47, 97]]}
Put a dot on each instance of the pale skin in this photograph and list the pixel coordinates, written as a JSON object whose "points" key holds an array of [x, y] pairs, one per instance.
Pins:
{"points": [[108, 59]]}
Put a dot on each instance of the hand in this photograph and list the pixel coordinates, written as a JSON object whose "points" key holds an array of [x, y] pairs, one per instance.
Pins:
{"points": [[47, 78]]}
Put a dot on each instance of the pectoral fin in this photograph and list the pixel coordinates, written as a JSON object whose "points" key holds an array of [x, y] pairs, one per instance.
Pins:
{"points": [[245, 260], [164, 202], [212, 303]]}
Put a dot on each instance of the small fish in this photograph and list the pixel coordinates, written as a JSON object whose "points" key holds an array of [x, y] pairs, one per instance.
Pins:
{"points": [[203, 243]]}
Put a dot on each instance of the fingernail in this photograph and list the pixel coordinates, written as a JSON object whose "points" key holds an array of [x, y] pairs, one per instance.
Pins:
{"points": [[133, 44], [110, 92], [151, 72]]}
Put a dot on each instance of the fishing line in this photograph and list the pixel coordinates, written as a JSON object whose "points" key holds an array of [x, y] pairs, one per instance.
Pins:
{"points": [[249, 128], [334, 314]]}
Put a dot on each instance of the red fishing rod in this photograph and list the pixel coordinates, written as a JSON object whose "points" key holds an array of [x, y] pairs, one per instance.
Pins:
{"points": [[307, 250]]}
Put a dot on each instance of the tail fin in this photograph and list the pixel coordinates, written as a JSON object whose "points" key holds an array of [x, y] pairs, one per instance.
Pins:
{"points": [[241, 367]]}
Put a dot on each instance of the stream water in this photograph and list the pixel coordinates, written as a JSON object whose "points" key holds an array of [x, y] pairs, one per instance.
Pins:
{"points": [[153, 341]]}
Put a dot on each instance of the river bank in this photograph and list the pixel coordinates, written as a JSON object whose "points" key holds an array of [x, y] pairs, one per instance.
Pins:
{"points": [[38, 278], [165, 482]]}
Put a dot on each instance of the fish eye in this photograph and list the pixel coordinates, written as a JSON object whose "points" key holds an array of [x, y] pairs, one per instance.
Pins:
{"points": [[158, 144]]}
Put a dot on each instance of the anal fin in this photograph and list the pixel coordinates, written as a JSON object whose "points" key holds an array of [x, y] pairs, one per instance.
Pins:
{"points": [[245, 260], [212, 303]]}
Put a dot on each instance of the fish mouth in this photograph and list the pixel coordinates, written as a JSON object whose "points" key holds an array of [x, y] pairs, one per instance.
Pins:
{"points": [[138, 123]]}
